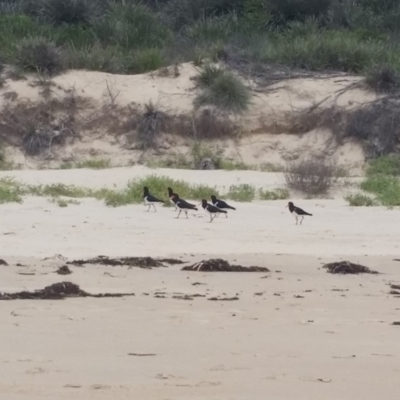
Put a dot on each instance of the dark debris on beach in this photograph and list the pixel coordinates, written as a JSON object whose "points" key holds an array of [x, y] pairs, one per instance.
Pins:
{"points": [[57, 291], [219, 265], [347, 267], [140, 262]]}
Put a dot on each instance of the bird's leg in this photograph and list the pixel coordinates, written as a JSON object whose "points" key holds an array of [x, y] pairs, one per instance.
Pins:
{"points": [[211, 218], [148, 209], [301, 220], [155, 210], [186, 214], [297, 220], [179, 213], [226, 215]]}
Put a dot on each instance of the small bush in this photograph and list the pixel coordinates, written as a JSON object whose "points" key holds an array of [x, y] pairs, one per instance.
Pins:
{"points": [[10, 191], [360, 200], [242, 192], [227, 93], [289, 10], [131, 25], [145, 60], [377, 124], [382, 79], [184, 12], [75, 12], [386, 165], [152, 123], [208, 75], [201, 152], [277, 194], [96, 58], [11, 7], [212, 29], [312, 176], [37, 54], [207, 124]]}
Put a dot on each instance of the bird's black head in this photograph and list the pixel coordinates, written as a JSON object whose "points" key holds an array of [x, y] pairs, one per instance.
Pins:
{"points": [[170, 191], [213, 197], [291, 206], [145, 190], [203, 203]]}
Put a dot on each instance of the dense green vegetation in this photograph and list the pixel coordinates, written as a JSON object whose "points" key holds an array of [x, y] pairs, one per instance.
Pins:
{"points": [[134, 36], [383, 181]]}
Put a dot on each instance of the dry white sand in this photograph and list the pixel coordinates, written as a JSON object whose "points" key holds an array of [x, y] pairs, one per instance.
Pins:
{"points": [[334, 342]]}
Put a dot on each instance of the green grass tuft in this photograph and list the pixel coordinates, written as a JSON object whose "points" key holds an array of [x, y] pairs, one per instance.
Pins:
{"points": [[90, 164], [226, 92], [242, 192], [145, 60], [38, 54], [277, 194], [360, 200], [10, 191], [208, 74]]}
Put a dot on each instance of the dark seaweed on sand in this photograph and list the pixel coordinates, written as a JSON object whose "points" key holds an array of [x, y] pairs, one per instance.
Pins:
{"points": [[64, 270], [219, 265], [141, 262], [57, 291], [346, 267]]}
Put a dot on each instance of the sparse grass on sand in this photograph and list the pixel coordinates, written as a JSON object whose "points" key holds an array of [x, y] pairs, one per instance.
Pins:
{"points": [[360, 200], [10, 192], [277, 194], [13, 191], [101, 163], [242, 192]]}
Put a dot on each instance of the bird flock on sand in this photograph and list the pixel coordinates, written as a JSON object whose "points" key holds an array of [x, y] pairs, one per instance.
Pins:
{"points": [[214, 210]]}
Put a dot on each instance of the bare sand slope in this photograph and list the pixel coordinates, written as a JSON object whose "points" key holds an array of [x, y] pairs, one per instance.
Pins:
{"points": [[296, 332], [258, 143]]}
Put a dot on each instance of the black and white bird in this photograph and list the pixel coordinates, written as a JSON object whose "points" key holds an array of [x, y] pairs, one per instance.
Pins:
{"points": [[171, 195], [212, 210], [297, 212], [183, 205], [150, 200], [221, 204]]}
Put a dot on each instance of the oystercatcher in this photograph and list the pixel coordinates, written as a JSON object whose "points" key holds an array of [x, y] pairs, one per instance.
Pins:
{"points": [[221, 204], [297, 212], [149, 200], [183, 205], [212, 210], [171, 195]]}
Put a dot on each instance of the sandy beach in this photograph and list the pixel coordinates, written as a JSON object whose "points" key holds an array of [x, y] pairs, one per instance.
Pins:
{"points": [[295, 332]]}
